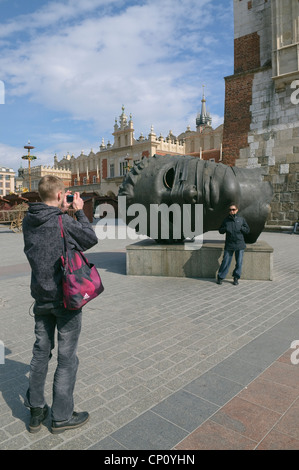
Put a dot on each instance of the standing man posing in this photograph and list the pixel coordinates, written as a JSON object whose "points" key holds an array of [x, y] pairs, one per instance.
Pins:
{"points": [[43, 248], [234, 227]]}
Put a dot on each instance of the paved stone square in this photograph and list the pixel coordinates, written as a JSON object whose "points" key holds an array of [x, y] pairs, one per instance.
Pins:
{"points": [[158, 356]]}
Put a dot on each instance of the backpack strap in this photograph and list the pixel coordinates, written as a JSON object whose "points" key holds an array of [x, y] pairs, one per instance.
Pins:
{"points": [[62, 236]]}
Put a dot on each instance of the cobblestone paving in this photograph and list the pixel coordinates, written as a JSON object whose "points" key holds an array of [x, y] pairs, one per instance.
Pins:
{"points": [[143, 341]]}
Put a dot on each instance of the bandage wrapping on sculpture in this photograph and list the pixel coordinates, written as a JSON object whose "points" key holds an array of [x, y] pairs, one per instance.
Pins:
{"points": [[81, 281]]}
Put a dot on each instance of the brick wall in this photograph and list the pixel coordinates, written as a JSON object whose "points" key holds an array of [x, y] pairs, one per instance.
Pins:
{"points": [[237, 116], [207, 154], [238, 96], [246, 53], [261, 122]]}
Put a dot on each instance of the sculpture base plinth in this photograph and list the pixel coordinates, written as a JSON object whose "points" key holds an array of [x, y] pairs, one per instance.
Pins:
{"points": [[148, 258]]}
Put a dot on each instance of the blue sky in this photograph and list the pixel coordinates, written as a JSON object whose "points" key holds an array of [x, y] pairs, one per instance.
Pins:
{"points": [[68, 66]]}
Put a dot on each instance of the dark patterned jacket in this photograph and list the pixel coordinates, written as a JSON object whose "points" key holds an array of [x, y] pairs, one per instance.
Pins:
{"points": [[43, 246]]}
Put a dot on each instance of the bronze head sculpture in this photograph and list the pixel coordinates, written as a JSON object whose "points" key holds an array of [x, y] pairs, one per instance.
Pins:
{"points": [[187, 180]]}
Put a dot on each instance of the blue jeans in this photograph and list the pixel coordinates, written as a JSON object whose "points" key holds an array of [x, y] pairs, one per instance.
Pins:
{"points": [[68, 324], [226, 262]]}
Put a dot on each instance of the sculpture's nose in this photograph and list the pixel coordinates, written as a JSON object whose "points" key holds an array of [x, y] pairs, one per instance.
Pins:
{"points": [[190, 194]]}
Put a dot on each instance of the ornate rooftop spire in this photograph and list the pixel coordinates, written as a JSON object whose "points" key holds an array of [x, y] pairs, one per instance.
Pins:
{"points": [[203, 118]]}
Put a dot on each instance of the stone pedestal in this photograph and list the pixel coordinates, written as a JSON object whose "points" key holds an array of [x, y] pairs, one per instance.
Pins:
{"points": [[148, 258]]}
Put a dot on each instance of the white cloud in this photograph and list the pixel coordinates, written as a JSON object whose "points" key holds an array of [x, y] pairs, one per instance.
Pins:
{"points": [[9, 155], [88, 57], [53, 14]]}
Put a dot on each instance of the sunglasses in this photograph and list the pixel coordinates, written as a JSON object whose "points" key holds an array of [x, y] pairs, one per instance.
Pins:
{"points": [[232, 210]]}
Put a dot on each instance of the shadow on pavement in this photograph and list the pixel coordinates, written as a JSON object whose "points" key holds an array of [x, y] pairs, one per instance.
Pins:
{"points": [[114, 262], [13, 386]]}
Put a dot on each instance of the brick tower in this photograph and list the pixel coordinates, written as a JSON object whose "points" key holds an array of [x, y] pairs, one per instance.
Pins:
{"points": [[261, 122]]}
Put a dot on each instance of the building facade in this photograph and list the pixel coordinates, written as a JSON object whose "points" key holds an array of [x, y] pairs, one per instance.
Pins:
{"points": [[261, 123], [37, 172], [7, 181], [104, 170], [205, 142]]}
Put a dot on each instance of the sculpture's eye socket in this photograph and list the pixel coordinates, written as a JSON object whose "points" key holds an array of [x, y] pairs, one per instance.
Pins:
{"points": [[169, 178]]}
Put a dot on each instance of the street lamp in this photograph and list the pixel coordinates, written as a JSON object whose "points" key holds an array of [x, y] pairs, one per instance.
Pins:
{"points": [[29, 158]]}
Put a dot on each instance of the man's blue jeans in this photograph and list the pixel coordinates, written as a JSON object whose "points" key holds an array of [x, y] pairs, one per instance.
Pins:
{"points": [[226, 262], [68, 324]]}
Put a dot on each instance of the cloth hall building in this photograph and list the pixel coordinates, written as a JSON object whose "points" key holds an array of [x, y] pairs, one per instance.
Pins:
{"points": [[104, 170]]}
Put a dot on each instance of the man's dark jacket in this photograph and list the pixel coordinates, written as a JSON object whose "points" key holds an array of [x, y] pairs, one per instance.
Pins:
{"points": [[235, 227], [43, 246]]}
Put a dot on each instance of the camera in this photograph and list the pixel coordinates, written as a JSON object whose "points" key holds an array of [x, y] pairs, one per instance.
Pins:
{"points": [[69, 198]]}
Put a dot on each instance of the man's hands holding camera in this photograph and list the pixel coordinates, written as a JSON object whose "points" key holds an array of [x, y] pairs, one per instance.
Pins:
{"points": [[73, 200]]}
